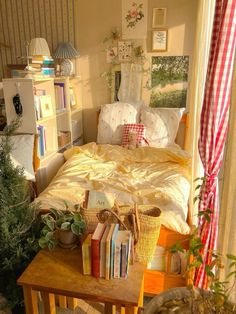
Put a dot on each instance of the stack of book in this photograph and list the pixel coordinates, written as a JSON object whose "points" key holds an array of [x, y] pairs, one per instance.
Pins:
{"points": [[106, 252], [43, 65]]}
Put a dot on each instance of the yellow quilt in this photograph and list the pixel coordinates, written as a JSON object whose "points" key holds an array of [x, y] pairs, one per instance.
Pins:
{"points": [[145, 175]]}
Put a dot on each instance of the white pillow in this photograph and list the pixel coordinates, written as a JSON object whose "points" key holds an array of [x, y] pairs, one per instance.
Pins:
{"points": [[161, 125], [111, 119], [22, 153]]}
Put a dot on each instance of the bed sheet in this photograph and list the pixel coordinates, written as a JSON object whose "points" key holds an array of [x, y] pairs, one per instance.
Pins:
{"points": [[145, 175]]}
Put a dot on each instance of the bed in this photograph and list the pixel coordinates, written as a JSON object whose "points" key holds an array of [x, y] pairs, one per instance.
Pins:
{"points": [[156, 173]]}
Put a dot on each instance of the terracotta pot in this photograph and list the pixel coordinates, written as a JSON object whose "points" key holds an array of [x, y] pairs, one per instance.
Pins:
{"points": [[66, 238]]}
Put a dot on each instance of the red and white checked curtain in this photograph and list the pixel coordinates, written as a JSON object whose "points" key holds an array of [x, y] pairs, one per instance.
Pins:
{"points": [[214, 123]]}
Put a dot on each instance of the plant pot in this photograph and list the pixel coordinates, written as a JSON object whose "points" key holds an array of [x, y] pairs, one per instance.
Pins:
{"points": [[186, 300], [66, 238]]}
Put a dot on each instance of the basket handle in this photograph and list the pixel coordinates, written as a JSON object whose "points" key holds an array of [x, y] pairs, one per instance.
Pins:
{"points": [[102, 216]]}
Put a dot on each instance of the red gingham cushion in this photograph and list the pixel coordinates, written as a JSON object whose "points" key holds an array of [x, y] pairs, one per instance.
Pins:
{"points": [[137, 127]]}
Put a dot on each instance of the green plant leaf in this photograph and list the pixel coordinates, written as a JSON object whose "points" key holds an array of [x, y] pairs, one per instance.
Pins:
{"points": [[66, 225], [76, 229], [231, 256]]}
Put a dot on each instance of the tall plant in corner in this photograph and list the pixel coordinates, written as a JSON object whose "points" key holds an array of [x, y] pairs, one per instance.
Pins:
{"points": [[18, 227]]}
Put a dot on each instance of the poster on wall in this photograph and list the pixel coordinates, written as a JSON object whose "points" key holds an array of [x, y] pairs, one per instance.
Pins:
{"points": [[169, 81], [134, 19]]}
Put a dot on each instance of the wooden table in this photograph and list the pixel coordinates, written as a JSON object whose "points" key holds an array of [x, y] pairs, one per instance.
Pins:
{"points": [[57, 274]]}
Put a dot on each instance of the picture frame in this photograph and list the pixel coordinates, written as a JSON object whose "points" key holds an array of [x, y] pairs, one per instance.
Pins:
{"points": [[46, 106], [159, 40], [159, 17]]}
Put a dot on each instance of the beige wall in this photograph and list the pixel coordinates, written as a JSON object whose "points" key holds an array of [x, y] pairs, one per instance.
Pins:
{"points": [[95, 21], [93, 24]]}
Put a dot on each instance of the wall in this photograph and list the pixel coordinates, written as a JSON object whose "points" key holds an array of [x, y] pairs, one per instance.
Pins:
{"points": [[23, 20], [93, 24]]}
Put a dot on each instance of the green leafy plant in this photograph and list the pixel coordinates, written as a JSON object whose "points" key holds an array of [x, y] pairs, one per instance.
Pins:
{"points": [[218, 301], [19, 227], [55, 220]]}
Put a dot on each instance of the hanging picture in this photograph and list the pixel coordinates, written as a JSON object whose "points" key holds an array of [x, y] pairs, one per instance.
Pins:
{"points": [[134, 19], [159, 40], [158, 17], [124, 50], [169, 81]]}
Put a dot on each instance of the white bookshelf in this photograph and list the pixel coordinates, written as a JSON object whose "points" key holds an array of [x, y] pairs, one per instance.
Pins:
{"points": [[66, 121]]}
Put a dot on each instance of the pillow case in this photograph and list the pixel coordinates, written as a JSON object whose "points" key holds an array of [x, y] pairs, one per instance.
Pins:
{"points": [[22, 153], [138, 128], [111, 119], [161, 125]]}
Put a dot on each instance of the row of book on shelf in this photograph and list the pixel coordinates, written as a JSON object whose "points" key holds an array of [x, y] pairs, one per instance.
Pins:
{"points": [[43, 101], [42, 145], [107, 252]]}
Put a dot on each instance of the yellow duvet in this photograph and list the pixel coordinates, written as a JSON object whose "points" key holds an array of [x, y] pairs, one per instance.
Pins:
{"points": [[147, 175]]}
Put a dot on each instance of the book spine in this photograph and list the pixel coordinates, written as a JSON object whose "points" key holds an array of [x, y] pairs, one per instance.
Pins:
{"points": [[86, 256], [113, 251], [102, 259], [124, 257], [95, 245], [108, 260], [117, 261]]}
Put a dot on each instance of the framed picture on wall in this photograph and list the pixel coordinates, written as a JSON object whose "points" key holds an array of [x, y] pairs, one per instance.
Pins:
{"points": [[159, 40], [159, 17]]}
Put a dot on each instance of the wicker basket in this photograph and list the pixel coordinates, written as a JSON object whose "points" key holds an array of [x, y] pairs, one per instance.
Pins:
{"points": [[150, 225]]}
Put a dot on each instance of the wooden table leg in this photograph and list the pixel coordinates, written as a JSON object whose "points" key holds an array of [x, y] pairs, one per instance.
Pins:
{"points": [[48, 303], [62, 301], [72, 303], [31, 300], [109, 309]]}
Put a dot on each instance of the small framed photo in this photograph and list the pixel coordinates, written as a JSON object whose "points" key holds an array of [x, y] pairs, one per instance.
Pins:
{"points": [[159, 40], [159, 17], [46, 106]]}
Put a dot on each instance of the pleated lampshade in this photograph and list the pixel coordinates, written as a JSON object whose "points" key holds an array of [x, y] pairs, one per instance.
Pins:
{"points": [[65, 51], [38, 46]]}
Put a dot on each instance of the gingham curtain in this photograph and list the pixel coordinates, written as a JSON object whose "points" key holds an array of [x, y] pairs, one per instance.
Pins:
{"points": [[214, 123]]}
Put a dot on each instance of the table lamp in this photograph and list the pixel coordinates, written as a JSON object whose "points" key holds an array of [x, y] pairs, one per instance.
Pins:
{"points": [[66, 51]]}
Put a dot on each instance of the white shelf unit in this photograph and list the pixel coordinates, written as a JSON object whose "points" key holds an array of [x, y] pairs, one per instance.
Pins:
{"points": [[69, 119], [64, 121], [27, 89]]}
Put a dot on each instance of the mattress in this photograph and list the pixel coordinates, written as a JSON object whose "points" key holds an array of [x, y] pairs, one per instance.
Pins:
{"points": [[145, 175]]}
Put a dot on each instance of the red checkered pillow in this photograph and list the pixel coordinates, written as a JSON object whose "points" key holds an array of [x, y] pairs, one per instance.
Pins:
{"points": [[136, 127]]}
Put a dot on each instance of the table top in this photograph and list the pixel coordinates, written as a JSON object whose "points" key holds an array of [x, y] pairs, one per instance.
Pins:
{"points": [[60, 271]]}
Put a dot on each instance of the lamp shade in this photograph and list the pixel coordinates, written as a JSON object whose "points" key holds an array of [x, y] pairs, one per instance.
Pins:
{"points": [[38, 46], [66, 51]]}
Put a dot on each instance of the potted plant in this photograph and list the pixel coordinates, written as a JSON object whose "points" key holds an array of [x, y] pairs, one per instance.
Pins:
{"points": [[190, 299], [62, 227]]}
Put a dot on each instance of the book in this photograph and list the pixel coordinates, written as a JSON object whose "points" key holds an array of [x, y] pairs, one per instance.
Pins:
{"points": [[125, 249], [117, 254], [95, 249], [103, 252], [46, 106], [113, 239], [98, 199], [41, 141], [121, 259], [86, 255], [108, 251]]}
